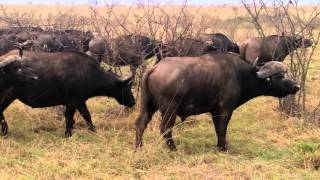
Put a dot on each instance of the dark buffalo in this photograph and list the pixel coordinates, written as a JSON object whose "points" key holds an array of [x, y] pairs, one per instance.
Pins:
{"points": [[44, 42], [186, 47], [130, 50], [19, 29], [217, 83], [73, 40], [60, 40], [98, 49], [66, 78], [12, 36], [221, 42], [26, 35], [192, 47], [271, 48], [6, 44]]}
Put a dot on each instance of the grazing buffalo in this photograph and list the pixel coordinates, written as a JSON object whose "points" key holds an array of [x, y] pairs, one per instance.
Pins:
{"points": [[221, 42], [217, 83], [69, 79], [271, 48], [130, 50]]}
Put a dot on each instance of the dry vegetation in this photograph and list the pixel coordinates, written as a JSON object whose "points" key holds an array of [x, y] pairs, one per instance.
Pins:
{"points": [[264, 143]]}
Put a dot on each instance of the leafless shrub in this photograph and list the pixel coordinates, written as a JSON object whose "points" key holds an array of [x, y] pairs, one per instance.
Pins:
{"points": [[164, 23], [292, 20]]}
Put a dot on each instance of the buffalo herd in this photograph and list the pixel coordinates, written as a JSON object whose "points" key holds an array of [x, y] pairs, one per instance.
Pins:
{"points": [[195, 75]]}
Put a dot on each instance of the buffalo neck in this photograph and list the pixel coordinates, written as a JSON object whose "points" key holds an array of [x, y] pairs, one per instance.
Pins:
{"points": [[3, 82], [108, 85], [252, 86]]}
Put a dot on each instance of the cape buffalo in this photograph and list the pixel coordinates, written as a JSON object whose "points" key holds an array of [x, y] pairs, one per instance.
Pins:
{"points": [[19, 29], [69, 79], [44, 42], [192, 47], [98, 49], [186, 47], [60, 40], [73, 40], [130, 50], [221, 42], [217, 83], [271, 48]]}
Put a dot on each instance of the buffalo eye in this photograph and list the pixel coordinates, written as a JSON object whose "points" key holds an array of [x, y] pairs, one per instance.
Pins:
{"points": [[268, 79], [281, 76]]}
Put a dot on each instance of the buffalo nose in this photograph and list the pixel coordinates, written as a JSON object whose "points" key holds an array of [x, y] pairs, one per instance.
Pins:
{"points": [[296, 88]]}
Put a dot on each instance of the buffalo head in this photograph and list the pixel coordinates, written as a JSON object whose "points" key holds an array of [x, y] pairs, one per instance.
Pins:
{"points": [[300, 42], [277, 85], [125, 96], [16, 71]]}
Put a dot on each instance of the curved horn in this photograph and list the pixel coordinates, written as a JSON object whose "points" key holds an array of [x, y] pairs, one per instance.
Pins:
{"points": [[271, 68], [9, 60], [28, 43], [255, 62], [20, 47]]}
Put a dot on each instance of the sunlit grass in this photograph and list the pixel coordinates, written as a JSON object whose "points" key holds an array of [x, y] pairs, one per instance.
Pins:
{"points": [[263, 143]]}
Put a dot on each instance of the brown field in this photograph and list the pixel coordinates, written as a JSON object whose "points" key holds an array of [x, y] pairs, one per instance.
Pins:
{"points": [[264, 143]]}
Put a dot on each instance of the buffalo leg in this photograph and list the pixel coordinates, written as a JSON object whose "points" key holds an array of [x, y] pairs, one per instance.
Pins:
{"points": [[69, 112], [142, 123], [6, 98], [167, 123], [220, 122], [82, 108]]}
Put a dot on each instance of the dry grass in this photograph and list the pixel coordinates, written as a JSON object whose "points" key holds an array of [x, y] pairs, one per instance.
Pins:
{"points": [[264, 144]]}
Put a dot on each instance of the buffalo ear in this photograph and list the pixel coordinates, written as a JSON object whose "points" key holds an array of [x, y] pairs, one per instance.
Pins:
{"points": [[128, 81]]}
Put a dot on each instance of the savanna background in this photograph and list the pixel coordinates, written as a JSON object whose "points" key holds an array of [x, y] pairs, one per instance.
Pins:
{"points": [[266, 139]]}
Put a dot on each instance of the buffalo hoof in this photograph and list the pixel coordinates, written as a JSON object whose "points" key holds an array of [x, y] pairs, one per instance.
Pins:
{"points": [[172, 146], [4, 128], [138, 145], [68, 133], [223, 148], [92, 128], [173, 149]]}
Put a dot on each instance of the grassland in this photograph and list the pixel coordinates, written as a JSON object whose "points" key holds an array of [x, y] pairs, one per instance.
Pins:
{"points": [[263, 143]]}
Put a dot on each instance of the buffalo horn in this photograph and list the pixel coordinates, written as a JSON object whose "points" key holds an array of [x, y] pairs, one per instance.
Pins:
{"points": [[9, 60], [271, 68]]}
